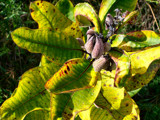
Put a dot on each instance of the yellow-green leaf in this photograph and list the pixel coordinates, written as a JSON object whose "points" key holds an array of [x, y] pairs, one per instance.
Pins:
{"points": [[48, 16], [139, 80], [30, 95], [86, 15], [53, 44], [122, 61], [74, 75], [124, 108], [69, 105], [135, 41]]}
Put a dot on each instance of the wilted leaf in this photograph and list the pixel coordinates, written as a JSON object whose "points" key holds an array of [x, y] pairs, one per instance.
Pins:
{"points": [[69, 105], [135, 41], [74, 75], [122, 61], [108, 6], [66, 7], [50, 43], [86, 15], [30, 95]]}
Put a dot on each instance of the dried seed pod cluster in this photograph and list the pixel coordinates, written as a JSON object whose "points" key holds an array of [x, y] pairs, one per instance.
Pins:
{"points": [[96, 48]]}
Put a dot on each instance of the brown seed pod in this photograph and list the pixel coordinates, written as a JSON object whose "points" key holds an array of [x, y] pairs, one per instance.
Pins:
{"points": [[90, 44], [90, 33], [98, 49], [107, 46], [81, 43], [109, 21], [101, 63]]}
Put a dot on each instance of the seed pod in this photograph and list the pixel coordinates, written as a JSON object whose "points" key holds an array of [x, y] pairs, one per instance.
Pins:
{"points": [[107, 46], [109, 21], [98, 49], [81, 43], [101, 63], [90, 44], [90, 33]]}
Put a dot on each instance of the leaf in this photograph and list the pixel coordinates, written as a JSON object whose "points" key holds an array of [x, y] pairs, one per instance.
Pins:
{"points": [[129, 18], [141, 60], [108, 6], [123, 107], [135, 41], [66, 7], [86, 15], [95, 113], [122, 61], [69, 105], [139, 80], [75, 74], [30, 95], [113, 95], [48, 16], [52, 44]]}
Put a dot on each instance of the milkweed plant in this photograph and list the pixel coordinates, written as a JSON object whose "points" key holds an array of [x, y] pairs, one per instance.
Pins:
{"points": [[88, 69]]}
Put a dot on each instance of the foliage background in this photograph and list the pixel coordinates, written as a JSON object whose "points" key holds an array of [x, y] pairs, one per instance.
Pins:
{"points": [[14, 61]]}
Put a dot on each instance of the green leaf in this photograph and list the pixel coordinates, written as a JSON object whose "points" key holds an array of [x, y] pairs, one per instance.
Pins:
{"points": [[48, 16], [122, 61], [86, 15], [56, 45], [74, 75], [30, 96], [108, 6], [139, 80], [66, 7], [69, 105], [116, 100], [135, 41]]}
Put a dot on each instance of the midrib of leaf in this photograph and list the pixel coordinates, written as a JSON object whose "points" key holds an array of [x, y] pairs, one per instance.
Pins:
{"points": [[34, 42], [110, 105], [26, 101], [44, 16], [77, 78]]}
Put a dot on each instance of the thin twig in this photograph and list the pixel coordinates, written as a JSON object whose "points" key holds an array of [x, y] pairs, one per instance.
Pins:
{"points": [[153, 15]]}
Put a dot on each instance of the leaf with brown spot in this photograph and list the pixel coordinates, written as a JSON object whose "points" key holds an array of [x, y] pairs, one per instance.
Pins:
{"points": [[80, 75], [136, 41]]}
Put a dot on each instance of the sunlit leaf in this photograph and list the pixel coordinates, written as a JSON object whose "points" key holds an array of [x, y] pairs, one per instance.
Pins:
{"points": [[69, 105], [66, 7], [139, 80], [124, 108], [30, 96], [122, 61], [108, 6], [138, 40], [56, 45], [96, 113], [48, 16], [86, 15], [74, 75]]}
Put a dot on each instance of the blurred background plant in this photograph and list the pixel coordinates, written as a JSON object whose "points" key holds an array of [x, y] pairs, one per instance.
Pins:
{"points": [[14, 61]]}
